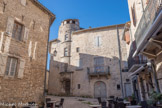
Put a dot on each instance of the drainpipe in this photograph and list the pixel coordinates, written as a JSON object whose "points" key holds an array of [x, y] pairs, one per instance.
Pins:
{"points": [[121, 78]]}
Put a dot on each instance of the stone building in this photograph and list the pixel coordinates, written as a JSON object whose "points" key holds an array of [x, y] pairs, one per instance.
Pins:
{"points": [[24, 32], [143, 35], [88, 62]]}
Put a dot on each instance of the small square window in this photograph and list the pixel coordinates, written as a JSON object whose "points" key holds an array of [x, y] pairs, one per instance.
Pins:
{"points": [[17, 31], [78, 86], [77, 49], [127, 80], [11, 66], [118, 87]]}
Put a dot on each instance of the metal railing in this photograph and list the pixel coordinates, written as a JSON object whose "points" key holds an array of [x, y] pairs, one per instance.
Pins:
{"points": [[98, 70], [147, 20]]}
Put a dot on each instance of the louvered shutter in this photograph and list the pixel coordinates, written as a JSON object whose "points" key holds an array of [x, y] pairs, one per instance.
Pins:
{"points": [[100, 41], [26, 33], [10, 25], [3, 59], [21, 68]]}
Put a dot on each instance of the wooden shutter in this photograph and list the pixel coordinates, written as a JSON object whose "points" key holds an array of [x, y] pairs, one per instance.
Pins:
{"points": [[100, 41], [21, 68], [10, 25], [3, 59], [30, 49], [26, 33], [1, 41]]}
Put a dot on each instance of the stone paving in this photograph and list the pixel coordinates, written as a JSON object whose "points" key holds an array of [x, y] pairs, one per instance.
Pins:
{"points": [[76, 102]]}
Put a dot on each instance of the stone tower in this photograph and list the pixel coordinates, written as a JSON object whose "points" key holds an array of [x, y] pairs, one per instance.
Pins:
{"points": [[64, 36]]}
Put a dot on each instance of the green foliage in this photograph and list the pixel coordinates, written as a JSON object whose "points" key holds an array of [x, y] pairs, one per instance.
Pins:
{"points": [[156, 96]]}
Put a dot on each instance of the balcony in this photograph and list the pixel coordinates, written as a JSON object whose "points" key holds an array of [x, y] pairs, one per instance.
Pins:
{"points": [[150, 13], [98, 71]]}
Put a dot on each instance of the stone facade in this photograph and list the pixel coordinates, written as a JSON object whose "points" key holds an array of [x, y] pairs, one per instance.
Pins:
{"points": [[91, 62], [23, 80], [141, 49]]}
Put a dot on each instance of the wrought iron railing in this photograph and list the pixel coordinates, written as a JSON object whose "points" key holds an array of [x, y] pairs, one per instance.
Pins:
{"points": [[98, 70], [147, 19]]}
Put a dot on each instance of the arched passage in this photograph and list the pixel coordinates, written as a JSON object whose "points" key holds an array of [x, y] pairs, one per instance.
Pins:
{"points": [[100, 89]]}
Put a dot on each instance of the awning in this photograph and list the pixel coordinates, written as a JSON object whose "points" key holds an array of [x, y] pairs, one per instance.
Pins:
{"points": [[155, 26], [138, 70]]}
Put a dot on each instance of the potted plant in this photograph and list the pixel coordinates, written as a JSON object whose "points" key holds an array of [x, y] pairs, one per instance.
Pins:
{"points": [[156, 97]]}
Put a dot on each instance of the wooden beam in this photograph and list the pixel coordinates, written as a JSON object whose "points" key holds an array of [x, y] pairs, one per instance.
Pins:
{"points": [[157, 41], [149, 54]]}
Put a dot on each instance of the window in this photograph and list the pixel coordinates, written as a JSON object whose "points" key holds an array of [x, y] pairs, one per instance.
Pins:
{"points": [[88, 70], [66, 37], [4, 6], [77, 49], [98, 41], [73, 22], [65, 52], [11, 66], [17, 31], [118, 87], [99, 64], [134, 15], [78, 86]]}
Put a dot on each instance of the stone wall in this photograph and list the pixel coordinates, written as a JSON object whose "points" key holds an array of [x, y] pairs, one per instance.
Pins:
{"points": [[158, 63], [85, 40], [27, 86]]}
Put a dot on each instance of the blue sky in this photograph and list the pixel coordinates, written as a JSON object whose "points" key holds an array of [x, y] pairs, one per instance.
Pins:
{"points": [[94, 13]]}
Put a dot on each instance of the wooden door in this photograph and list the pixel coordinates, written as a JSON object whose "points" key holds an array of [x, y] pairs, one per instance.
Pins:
{"points": [[67, 87], [100, 90]]}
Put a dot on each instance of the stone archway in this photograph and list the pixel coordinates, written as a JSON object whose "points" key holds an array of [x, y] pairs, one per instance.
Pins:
{"points": [[100, 90]]}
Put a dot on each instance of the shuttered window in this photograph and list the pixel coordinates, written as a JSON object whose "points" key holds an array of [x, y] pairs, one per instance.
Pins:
{"points": [[11, 66], [98, 41], [17, 31]]}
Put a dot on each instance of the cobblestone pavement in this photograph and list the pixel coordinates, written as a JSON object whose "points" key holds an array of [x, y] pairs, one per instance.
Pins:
{"points": [[75, 102]]}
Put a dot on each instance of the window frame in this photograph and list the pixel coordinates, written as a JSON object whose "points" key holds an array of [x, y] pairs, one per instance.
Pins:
{"points": [[15, 33], [77, 49], [66, 37], [65, 52], [10, 66]]}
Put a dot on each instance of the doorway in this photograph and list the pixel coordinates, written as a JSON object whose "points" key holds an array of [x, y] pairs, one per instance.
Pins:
{"points": [[100, 90], [67, 86]]}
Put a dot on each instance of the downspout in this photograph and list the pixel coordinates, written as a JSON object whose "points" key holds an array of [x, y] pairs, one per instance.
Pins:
{"points": [[121, 78], [50, 21]]}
